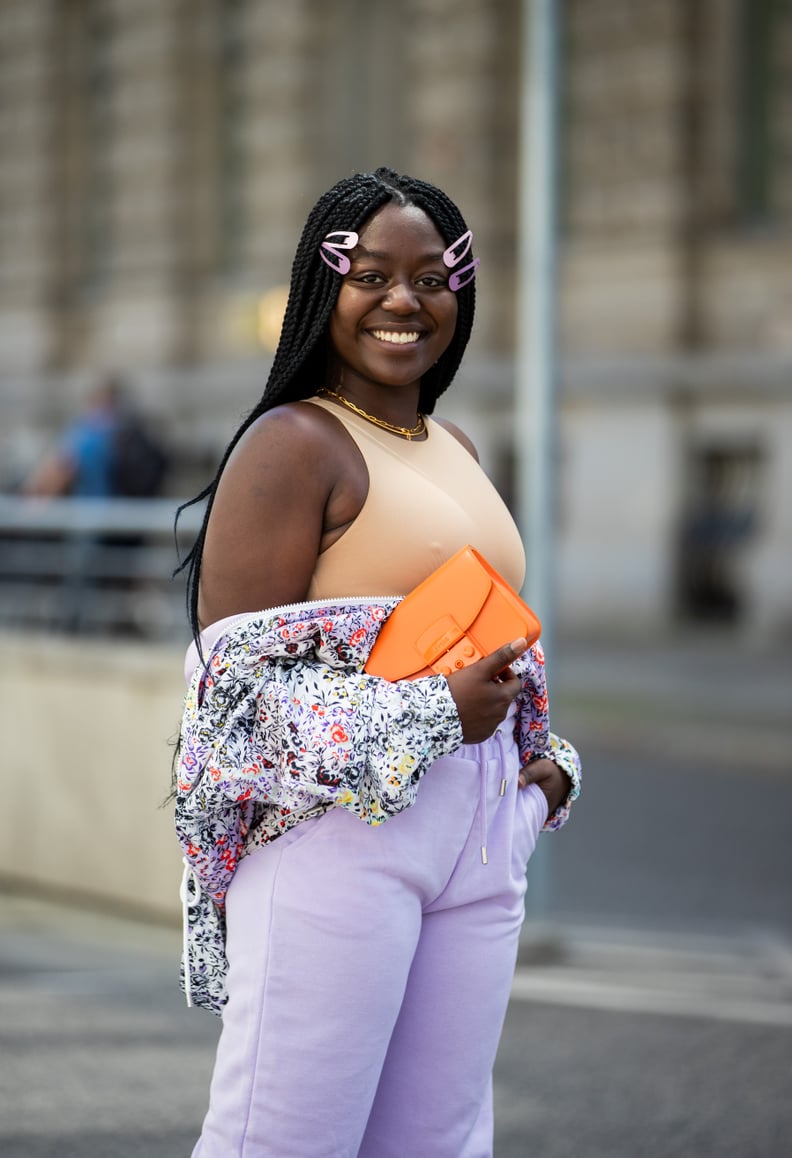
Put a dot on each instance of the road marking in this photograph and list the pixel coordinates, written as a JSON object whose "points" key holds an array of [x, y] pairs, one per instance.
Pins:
{"points": [[543, 989]]}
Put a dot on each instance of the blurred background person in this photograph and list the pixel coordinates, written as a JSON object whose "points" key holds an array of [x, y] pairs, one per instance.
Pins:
{"points": [[105, 452]]}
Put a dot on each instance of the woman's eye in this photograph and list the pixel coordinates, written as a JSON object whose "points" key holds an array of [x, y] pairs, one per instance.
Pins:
{"points": [[426, 281]]}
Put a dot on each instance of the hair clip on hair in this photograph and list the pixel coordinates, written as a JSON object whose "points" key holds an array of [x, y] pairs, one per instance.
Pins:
{"points": [[330, 249], [452, 257]]}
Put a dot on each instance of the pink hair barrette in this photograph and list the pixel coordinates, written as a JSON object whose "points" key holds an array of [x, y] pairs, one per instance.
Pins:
{"points": [[333, 244], [452, 257]]}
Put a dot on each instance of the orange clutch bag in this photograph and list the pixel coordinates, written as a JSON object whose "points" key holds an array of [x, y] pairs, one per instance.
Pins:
{"points": [[462, 612]]}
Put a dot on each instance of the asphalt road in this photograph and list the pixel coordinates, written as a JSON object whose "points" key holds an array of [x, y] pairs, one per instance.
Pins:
{"points": [[683, 824], [613, 1048], [657, 844]]}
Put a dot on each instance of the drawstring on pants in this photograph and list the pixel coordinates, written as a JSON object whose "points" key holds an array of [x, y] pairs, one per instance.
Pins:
{"points": [[482, 806]]}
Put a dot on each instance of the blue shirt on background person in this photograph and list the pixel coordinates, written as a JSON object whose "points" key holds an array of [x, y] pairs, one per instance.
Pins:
{"points": [[88, 446]]}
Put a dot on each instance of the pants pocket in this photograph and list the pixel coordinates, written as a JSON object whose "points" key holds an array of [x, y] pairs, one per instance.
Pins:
{"points": [[531, 813]]}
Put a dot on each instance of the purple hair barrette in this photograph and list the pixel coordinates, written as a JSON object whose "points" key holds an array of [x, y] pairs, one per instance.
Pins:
{"points": [[331, 248], [452, 257]]}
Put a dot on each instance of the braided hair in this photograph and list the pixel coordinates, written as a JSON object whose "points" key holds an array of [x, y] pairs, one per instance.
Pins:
{"points": [[300, 361]]}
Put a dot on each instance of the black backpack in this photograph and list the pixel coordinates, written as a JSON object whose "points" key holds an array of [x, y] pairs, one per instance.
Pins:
{"points": [[139, 462]]}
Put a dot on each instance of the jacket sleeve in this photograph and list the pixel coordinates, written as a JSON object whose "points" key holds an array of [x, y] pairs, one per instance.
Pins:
{"points": [[568, 760], [296, 734], [533, 735]]}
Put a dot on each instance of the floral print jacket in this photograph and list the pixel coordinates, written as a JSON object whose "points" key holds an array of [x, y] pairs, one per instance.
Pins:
{"points": [[281, 723]]}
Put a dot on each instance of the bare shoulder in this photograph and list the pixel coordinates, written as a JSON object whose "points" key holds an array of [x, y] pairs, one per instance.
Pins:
{"points": [[284, 440], [294, 424], [458, 434], [285, 488]]}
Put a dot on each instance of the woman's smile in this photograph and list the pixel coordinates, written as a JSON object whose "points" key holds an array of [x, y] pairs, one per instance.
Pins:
{"points": [[397, 337]]}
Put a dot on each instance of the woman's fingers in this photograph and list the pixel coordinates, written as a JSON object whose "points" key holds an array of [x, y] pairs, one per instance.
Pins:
{"points": [[484, 691]]}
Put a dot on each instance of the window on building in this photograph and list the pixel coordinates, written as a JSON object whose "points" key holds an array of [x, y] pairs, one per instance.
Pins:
{"points": [[718, 529], [86, 122], [763, 156], [358, 87], [754, 104], [231, 148]]}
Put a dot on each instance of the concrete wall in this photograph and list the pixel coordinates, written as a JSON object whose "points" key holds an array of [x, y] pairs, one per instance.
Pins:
{"points": [[87, 730]]}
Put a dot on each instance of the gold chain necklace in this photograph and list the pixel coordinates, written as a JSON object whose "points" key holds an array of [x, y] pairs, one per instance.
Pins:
{"points": [[408, 432]]}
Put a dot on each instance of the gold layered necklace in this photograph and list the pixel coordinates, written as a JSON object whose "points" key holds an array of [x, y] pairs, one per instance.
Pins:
{"points": [[408, 432]]}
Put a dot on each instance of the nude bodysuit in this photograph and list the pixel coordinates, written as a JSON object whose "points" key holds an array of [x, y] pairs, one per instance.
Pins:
{"points": [[425, 501]]}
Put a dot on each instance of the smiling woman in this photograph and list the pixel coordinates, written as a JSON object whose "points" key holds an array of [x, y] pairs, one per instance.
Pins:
{"points": [[362, 967]]}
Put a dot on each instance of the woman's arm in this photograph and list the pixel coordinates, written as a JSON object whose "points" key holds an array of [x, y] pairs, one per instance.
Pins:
{"points": [[293, 483], [547, 760]]}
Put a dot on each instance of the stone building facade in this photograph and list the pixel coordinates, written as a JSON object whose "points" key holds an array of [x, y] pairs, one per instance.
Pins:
{"points": [[159, 157], [677, 310]]}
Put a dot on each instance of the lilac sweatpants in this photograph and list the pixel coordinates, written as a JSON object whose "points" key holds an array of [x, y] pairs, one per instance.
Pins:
{"points": [[370, 970]]}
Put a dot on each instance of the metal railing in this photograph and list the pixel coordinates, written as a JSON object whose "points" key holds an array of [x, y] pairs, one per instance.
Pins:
{"points": [[94, 566]]}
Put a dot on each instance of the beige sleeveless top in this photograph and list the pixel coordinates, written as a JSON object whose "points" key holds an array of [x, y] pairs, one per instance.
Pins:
{"points": [[425, 501]]}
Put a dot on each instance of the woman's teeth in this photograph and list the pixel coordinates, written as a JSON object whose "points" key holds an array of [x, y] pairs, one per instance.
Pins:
{"points": [[400, 338]]}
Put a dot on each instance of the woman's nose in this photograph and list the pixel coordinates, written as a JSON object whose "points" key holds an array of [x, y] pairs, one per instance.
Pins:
{"points": [[401, 298]]}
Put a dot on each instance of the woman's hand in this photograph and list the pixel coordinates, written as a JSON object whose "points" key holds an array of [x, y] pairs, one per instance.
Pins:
{"points": [[551, 779], [484, 691]]}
